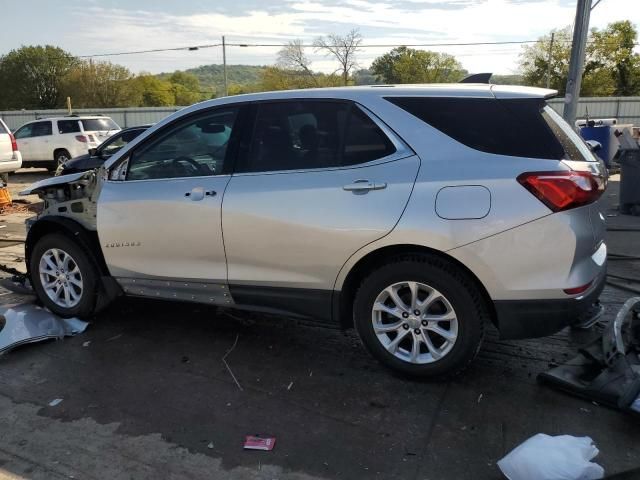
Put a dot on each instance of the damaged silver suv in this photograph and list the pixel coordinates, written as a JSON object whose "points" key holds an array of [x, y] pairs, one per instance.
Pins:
{"points": [[415, 214]]}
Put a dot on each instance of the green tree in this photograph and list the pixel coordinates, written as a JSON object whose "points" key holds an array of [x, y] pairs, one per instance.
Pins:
{"points": [[611, 66], [408, 65], [150, 91], [31, 77], [99, 84], [186, 88]]}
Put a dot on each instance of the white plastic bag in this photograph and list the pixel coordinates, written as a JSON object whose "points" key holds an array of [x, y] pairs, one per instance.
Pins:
{"points": [[543, 457]]}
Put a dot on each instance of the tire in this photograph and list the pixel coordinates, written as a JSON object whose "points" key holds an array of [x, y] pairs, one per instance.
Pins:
{"points": [[444, 291], [59, 157], [81, 298]]}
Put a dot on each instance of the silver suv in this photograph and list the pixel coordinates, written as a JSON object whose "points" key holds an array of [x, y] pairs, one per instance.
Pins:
{"points": [[414, 213]]}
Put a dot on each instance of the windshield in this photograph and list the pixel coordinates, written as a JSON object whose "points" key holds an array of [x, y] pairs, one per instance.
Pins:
{"points": [[574, 147], [98, 124]]}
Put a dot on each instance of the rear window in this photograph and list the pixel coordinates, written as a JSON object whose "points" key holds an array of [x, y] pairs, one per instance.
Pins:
{"points": [[68, 126], [503, 127], [98, 124], [572, 144]]}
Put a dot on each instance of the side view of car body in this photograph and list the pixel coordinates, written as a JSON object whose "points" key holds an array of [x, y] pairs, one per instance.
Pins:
{"points": [[415, 214], [97, 156], [10, 157], [52, 141]]}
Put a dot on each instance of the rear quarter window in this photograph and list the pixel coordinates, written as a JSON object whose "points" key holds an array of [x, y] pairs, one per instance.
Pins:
{"points": [[68, 126], [503, 127]]}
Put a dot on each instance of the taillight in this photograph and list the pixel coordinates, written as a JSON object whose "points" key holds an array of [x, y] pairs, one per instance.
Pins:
{"points": [[81, 138], [577, 290], [562, 190], [14, 144]]}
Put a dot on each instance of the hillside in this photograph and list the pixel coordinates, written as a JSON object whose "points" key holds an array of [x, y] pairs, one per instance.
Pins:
{"points": [[212, 77]]}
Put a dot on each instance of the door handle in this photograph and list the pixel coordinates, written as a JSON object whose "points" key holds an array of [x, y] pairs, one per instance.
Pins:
{"points": [[363, 186], [198, 193]]}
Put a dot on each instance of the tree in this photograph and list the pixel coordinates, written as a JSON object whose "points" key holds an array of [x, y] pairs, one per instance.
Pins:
{"points": [[31, 77], [408, 65], [344, 48], [293, 58], [150, 91], [611, 66], [99, 85], [186, 88]]}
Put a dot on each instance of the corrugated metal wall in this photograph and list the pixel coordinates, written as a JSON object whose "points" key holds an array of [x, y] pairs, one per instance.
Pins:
{"points": [[625, 109], [125, 117]]}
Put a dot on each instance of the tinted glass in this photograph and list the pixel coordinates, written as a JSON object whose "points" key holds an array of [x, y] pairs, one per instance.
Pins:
{"points": [[502, 127], [99, 124], [41, 129], [572, 144], [23, 132], [119, 140], [364, 141], [68, 126], [313, 134], [194, 148]]}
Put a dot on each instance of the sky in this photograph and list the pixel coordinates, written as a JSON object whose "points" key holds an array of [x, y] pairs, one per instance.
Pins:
{"points": [[91, 27]]}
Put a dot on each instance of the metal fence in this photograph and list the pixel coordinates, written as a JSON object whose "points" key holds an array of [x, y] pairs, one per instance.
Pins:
{"points": [[625, 109], [125, 117]]}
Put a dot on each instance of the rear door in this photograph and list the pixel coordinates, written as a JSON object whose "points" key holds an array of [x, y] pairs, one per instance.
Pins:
{"points": [[317, 181]]}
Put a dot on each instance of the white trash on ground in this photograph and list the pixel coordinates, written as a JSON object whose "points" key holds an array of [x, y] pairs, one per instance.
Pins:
{"points": [[543, 457]]}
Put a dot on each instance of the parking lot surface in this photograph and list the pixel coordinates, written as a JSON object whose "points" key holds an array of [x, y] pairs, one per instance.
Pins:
{"points": [[146, 394]]}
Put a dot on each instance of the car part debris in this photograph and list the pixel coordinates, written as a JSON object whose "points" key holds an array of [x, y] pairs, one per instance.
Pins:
{"points": [[543, 457], [55, 402], [606, 371], [28, 323], [259, 442]]}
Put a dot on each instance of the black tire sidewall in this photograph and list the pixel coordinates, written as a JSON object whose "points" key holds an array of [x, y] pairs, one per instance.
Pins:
{"points": [[89, 276], [460, 292]]}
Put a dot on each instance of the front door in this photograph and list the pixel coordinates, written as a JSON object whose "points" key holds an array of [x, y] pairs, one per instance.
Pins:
{"points": [[321, 180], [162, 222], [25, 142]]}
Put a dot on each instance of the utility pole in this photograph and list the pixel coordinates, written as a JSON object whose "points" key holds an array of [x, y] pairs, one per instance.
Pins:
{"points": [[553, 35], [224, 66], [576, 65]]}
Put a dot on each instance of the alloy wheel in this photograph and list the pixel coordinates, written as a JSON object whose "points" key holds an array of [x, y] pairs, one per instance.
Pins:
{"points": [[414, 322], [61, 278]]}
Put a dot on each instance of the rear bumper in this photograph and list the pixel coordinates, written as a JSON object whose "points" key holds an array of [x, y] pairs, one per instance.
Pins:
{"points": [[11, 165], [539, 318]]}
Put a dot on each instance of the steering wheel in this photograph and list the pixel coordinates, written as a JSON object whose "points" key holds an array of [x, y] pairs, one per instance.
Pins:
{"points": [[195, 165]]}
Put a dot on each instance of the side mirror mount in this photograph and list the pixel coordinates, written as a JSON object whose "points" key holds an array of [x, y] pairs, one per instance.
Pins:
{"points": [[594, 145]]}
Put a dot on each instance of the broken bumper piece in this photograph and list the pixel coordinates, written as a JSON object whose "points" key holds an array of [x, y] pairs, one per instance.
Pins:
{"points": [[28, 323]]}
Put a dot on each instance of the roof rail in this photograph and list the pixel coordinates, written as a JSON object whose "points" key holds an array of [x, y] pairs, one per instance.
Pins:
{"points": [[477, 78]]}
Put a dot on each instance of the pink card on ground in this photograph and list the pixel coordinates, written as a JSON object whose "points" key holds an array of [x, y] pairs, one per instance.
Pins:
{"points": [[259, 442]]}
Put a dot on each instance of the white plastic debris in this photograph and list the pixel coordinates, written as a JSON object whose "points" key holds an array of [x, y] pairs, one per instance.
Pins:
{"points": [[543, 457], [55, 401], [28, 323]]}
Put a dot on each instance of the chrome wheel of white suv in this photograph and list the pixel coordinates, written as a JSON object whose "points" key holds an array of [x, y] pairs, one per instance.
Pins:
{"points": [[414, 322], [61, 278]]}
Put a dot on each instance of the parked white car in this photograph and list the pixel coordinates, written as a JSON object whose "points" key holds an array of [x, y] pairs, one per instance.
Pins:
{"points": [[10, 158], [50, 142]]}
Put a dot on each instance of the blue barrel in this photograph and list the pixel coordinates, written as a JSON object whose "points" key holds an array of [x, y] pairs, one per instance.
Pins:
{"points": [[600, 134]]}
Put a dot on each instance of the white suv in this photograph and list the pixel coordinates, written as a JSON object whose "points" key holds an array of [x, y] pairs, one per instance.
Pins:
{"points": [[52, 141], [10, 158]]}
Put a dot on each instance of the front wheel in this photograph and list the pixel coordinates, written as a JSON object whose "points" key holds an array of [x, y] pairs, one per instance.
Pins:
{"points": [[63, 276], [421, 316]]}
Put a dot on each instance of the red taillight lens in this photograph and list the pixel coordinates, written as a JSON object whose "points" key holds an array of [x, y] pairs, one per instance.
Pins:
{"points": [[577, 290], [562, 190], [81, 138], [14, 144]]}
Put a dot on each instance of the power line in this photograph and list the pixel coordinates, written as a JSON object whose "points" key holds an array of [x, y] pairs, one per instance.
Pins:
{"points": [[174, 49]]}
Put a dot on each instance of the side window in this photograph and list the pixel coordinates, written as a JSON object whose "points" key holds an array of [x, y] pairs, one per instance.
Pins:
{"points": [[292, 135], [24, 132], [364, 140], [68, 126], [193, 148], [41, 129], [502, 127]]}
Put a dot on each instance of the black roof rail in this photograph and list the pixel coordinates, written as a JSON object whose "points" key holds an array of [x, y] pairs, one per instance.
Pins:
{"points": [[477, 78]]}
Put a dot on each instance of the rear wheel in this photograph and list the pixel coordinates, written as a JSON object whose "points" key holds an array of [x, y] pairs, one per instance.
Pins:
{"points": [[59, 157], [63, 276], [421, 316]]}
